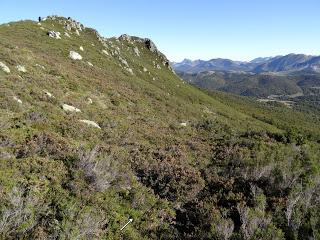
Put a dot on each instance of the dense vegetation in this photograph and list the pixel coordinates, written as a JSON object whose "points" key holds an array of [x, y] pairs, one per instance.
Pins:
{"points": [[257, 85], [181, 162]]}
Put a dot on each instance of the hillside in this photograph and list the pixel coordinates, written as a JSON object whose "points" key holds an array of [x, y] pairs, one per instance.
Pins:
{"points": [[98, 132], [295, 84]]}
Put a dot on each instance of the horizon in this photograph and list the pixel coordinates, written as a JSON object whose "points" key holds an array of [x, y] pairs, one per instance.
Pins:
{"points": [[188, 30]]}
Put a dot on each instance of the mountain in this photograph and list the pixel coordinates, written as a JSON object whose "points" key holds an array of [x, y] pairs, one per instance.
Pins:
{"points": [[291, 62], [100, 139]]}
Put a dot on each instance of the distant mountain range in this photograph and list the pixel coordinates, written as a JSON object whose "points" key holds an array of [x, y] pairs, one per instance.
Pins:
{"points": [[291, 62], [290, 75]]}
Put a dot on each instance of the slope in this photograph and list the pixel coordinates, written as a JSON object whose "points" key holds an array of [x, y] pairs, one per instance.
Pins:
{"points": [[88, 143]]}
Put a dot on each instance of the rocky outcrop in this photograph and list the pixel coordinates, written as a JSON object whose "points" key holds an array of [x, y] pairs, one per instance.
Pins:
{"points": [[55, 35], [150, 45]]}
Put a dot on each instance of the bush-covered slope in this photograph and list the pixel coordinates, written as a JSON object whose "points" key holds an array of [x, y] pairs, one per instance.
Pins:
{"points": [[86, 145]]}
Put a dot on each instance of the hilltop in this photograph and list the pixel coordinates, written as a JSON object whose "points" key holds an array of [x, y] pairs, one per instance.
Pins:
{"points": [[98, 131]]}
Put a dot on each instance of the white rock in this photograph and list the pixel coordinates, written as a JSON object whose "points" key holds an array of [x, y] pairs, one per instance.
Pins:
{"points": [[49, 94], [183, 124], [129, 70], [69, 108], [90, 64], [90, 123], [145, 69], [40, 66], [158, 66], [67, 35], [81, 48], [4, 67], [77, 32], [39, 24], [17, 100], [42, 28], [136, 51], [75, 56], [105, 52], [54, 34], [21, 68], [89, 100]]}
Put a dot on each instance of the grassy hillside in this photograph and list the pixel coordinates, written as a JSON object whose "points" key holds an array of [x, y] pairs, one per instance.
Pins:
{"points": [[182, 163]]}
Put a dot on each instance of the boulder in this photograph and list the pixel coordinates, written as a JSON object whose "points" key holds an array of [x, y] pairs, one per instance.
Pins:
{"points": [[4, 67], [21, 68], [183, 124], [75, 56], [69, 108], [17, 100], [53, 34], [81, 48], [90, 123]]}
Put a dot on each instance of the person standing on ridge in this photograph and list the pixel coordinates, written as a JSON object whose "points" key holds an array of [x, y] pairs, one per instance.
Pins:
{"points": [[39, 19]]}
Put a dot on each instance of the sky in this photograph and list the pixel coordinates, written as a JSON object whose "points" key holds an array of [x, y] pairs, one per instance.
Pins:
{"points": [[193, 29]]}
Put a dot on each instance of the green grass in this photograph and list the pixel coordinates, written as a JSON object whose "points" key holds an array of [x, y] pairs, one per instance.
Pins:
{"points": [[74, 181]]}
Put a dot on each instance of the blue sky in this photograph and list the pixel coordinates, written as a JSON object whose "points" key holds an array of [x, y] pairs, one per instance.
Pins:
{"points": [[195, 29]]}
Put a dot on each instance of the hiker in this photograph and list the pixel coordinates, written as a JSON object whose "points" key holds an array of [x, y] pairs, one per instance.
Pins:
{"points": [[39, 19]]}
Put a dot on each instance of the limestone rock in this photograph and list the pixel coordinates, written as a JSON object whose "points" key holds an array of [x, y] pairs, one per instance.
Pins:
{"points": [[183, 124], [136, 51], [81, 48], [67, 35], [53, 34], [75, 56], [4, 67], [21, 68], [90, 123], [69, 108], [17, 100]]}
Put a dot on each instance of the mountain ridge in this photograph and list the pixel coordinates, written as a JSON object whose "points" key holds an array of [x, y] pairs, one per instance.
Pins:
{"points": [[290, 62]]}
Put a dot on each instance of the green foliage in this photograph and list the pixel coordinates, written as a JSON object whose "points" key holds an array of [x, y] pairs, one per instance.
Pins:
{"points": [[236, 169]]}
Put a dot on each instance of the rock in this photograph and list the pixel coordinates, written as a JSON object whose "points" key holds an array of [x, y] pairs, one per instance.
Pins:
{"points": [[21, 68], [48, 94], [125, 37], [40, 66], [158, 66], [136, 51], [150, 45], [90, 123], [129, 70], [105, 52], [67, 35], [75, 56], [77, 32], [81, 48], [183, 124], [17, 100], [124, 62], [90, 64], [145, 69], [54, 34], [89, 100], [4, 67], [69, 108]]}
